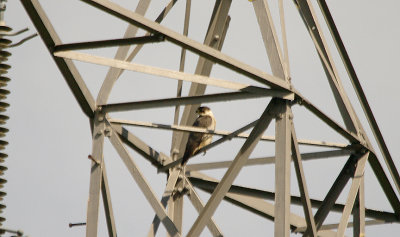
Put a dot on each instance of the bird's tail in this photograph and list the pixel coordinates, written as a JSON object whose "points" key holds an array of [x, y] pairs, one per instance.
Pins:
{"points": [[185, 158], [182, 161]]}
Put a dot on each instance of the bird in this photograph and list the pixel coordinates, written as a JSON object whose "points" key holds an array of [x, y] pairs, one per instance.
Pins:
{"points": [[197, 140]]}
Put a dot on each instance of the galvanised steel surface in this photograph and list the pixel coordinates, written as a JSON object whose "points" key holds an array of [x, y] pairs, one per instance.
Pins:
{"points": [[184, 180]]}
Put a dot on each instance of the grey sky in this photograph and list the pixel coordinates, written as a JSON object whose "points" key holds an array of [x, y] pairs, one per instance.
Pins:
{"points": [[48, 176]]}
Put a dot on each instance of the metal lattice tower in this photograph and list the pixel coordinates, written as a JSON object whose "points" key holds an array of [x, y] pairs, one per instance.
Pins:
{"points": [[276, 85]]}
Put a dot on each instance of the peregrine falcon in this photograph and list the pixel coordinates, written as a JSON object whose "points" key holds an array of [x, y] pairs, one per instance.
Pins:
{"points": [[197, 140]]}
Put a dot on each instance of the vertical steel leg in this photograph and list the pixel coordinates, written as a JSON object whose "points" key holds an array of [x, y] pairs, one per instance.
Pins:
{"points": [[105, 191], [282, 171], [95, 175], [175, 211], [359, 212]]}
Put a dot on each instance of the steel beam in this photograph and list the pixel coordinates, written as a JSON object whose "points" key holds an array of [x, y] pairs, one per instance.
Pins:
{"points": [[208, 184], [310, 20], [203, 67], [96, 175], [359, 212], [198, 204], [143, 184], [282, 169], [334, 192], [159, 19], [224, 133], [330, 122], [114, 73], [155, 157], [360, 93], [253, 204], [357, 178], [270, 38], [301, 180], [262, 208], [196, 47], [227, 137], [175, 212], [66, 67], [109, 43], [335, 226], [169, 189], [176, 101], [286, 66], [233, 171], [384, 182], [176, 75], [174, 150], [105, 191], [266, 160]]}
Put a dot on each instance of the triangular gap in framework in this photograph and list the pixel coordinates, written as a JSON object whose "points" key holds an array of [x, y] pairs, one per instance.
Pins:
{"points": [[339, 164], [162, 29], [373, 126], [242, 33], [385, 183], [377, 167], [123, 52], [126, 206], [374, 193], [312, 128], [344, 105], [143, 183], [306, 78]]}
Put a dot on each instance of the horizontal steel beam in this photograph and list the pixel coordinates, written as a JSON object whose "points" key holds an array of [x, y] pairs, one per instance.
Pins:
{"points": [[192, 100], [167, 73], [208, 184], [219, 132], [109, 43], [335, 226], [185, 42], [266, 160]]}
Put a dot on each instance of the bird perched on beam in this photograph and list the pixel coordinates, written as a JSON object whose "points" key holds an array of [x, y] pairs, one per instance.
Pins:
{"points": [[198, 140]]}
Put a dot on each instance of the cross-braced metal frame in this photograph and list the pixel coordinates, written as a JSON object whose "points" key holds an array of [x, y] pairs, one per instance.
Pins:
{"points": [[278, 86]]}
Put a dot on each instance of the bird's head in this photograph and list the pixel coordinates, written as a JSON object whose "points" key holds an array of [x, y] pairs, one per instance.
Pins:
{"points": [[203, 110]]}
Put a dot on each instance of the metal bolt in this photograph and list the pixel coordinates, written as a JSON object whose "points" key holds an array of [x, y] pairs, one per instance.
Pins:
{"points": [[216, 37], [93, 159], [100, 117], [76, 224], [100, 132], [107, 132]]}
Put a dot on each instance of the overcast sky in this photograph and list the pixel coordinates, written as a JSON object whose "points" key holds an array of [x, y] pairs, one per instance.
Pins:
{"points": [[48, 176]]}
